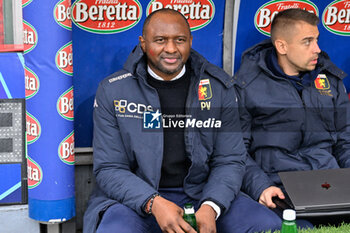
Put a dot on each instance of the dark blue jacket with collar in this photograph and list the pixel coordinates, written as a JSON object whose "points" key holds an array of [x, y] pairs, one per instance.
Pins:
{"points": [[128, 158], [284, 130]]}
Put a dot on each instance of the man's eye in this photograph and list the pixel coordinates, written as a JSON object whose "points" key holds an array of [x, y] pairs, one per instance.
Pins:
{"points": [[160, 40], [180, 40]]}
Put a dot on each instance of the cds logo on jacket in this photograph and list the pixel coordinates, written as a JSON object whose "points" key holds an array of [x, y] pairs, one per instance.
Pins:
{"points": [[265, 14], [336, 17], [106, 16], [124, 108], [199, 13]]}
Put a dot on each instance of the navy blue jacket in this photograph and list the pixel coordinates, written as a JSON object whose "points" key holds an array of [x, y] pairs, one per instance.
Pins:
{"points": [[128, 158], [284, 130]]}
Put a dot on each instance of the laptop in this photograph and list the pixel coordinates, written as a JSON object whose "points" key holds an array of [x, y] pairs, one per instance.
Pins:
{"points": [[318, 192]]}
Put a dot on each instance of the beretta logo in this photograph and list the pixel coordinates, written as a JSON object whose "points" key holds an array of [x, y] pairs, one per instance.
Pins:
{"points": [[30, 37], [34, 173], [66, 149], [26, 2], [65, 105], [62, 14], [265, 14], [106, 16], [199, 13], [64, 59], [336, 17], [31, 83], [33, 128]]}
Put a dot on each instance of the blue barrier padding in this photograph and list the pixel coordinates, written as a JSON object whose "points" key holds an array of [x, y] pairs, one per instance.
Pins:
{"points": [[49, 105], [52, 210]]}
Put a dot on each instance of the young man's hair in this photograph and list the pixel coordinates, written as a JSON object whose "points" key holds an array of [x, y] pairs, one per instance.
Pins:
{"points": [[163, 10], [285, 20]]}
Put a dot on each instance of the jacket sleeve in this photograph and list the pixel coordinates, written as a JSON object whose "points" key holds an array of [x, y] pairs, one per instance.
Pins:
{"points": [[342, 123], [112, 167], [227, 164], [255, 180]]}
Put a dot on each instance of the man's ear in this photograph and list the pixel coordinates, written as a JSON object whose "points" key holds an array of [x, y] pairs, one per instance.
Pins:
{"points": [[142, 42], [281, 46]]}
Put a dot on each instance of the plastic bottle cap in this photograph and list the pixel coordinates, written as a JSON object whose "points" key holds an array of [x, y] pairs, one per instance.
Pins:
{"points": [[289, 215], [189, 209]]}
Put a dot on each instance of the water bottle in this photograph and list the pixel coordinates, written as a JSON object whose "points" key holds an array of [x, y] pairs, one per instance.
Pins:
{"points": [[288, 224], [189, 216]]}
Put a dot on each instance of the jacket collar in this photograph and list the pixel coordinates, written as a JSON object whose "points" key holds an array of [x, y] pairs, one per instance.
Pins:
{"points": [[326, 64]]}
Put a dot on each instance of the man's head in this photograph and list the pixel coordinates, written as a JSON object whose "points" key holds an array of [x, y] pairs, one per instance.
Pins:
{"points": [[166, 40], [294, 34]]}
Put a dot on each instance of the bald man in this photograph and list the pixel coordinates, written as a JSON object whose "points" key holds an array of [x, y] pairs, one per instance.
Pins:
{"points": [[294, 109], [156, 147]]}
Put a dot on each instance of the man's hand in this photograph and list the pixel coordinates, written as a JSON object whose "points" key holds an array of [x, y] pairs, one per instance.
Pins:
{"points": [[205, 218], [169, 216], [267, 195]]}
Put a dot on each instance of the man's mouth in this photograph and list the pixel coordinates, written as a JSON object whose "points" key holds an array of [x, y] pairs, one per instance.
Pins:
{"points": [[170, 60], [314, 61]]}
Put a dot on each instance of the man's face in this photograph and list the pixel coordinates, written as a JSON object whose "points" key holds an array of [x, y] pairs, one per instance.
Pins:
{"points": [[302, 49], [167, 43]]}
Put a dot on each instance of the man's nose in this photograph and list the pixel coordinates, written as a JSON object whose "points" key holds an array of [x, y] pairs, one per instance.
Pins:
{"points": [[170, 46], [317, 48]]}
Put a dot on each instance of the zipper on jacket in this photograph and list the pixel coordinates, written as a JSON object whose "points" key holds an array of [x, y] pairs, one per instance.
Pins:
{"points": [[298, 97], [189, 111], [301, 99], [188, 136], [144, 81]]}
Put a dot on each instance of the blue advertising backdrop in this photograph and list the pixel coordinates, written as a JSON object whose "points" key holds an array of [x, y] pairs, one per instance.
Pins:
{"points": [[97, 54], [337, 46]]}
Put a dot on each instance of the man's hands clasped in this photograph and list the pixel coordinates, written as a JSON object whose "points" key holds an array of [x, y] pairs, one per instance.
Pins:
{"points": [[169, 217]]}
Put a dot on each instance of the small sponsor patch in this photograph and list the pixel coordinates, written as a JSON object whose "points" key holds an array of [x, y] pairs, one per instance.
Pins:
{"points": [[120, 77], [204, 90], [321, 82], [326, 93], [95, 103]]}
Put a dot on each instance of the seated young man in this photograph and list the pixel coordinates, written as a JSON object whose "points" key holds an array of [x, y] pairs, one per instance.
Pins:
{"points": [[294, 109]]}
